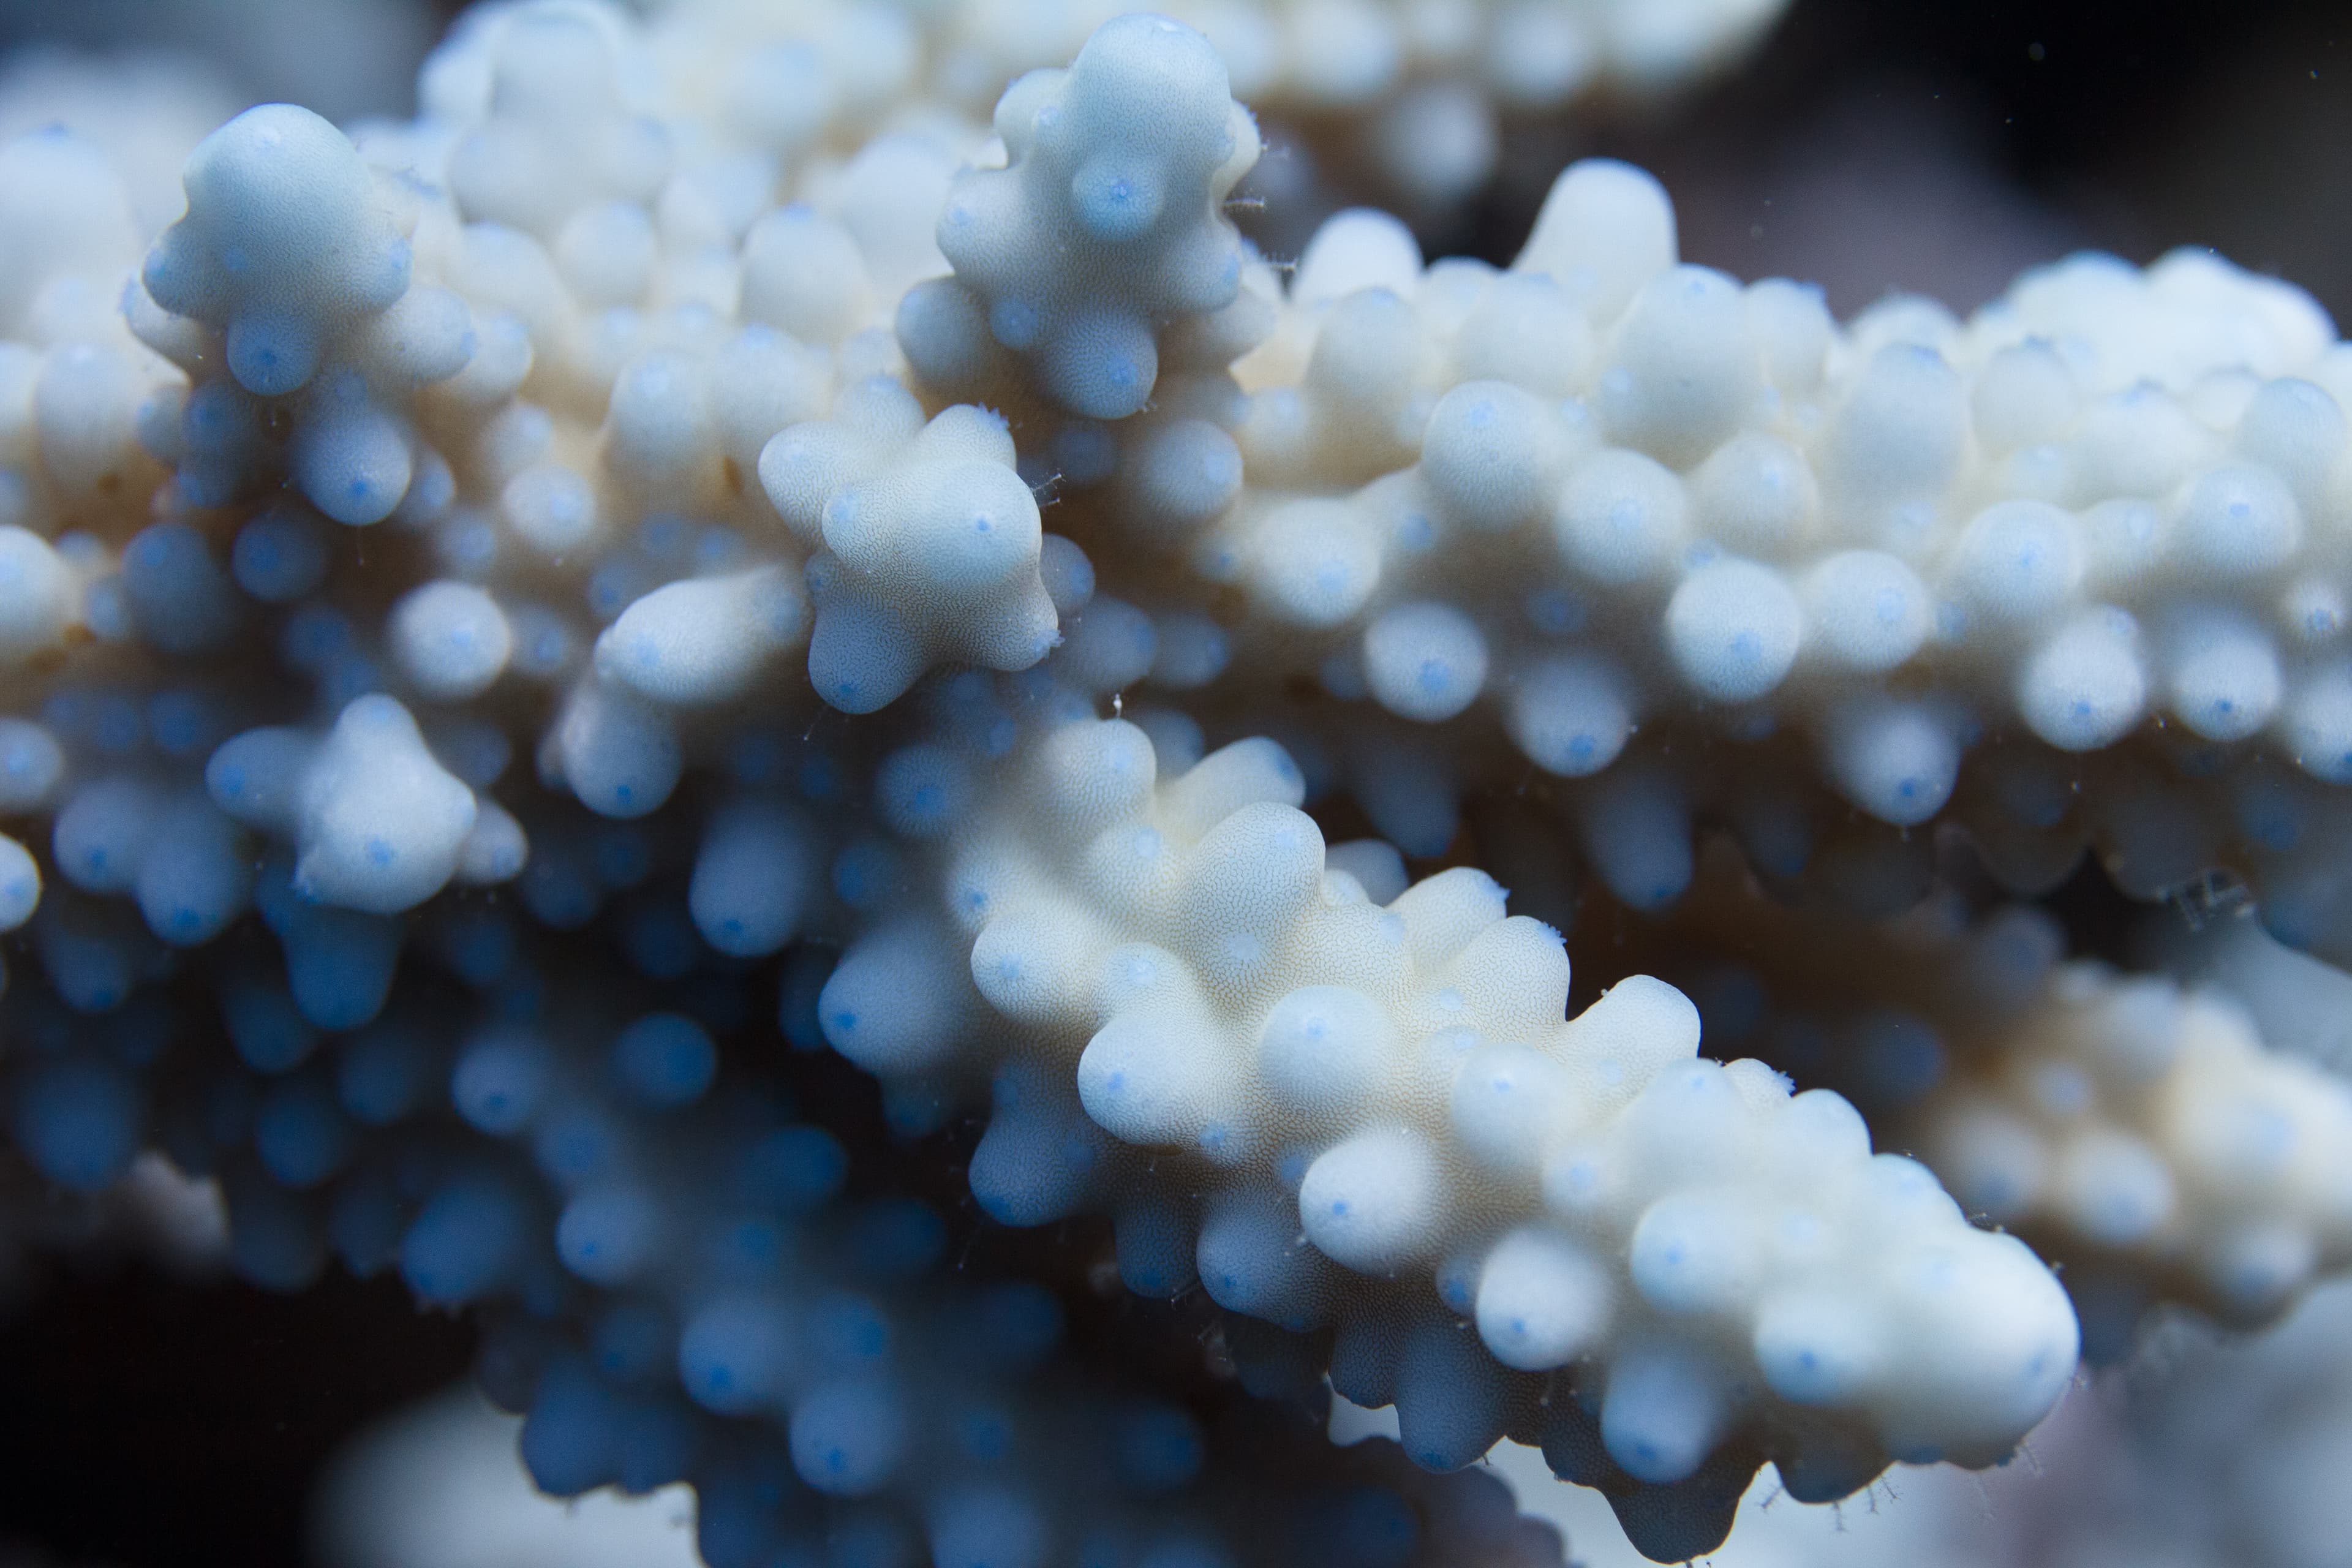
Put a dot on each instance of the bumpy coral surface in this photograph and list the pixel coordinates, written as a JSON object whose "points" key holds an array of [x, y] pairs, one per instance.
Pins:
{"points": [[696, 550], [2143, 1132]]}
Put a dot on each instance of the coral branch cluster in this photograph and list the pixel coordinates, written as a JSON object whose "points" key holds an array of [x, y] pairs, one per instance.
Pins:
{"points": [[696, 552]]}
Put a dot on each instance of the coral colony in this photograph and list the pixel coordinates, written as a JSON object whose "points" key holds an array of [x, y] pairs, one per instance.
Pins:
{"points": [[553, 648]]}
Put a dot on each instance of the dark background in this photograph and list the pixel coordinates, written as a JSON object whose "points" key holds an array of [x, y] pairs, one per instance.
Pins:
{"points": [[1941, 146], [1929, 145]]}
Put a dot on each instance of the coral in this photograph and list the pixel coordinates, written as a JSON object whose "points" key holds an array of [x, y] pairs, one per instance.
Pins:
{"points": [[1396, 1083], [533, 649], [2158, 1139], [678, 1286], [1104, 229], [927, 546]]}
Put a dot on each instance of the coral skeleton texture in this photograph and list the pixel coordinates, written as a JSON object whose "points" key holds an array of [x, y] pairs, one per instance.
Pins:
{"points": [[701, 682]]}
